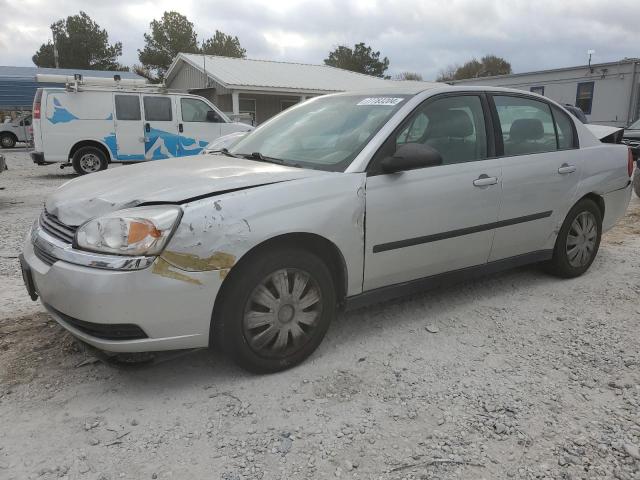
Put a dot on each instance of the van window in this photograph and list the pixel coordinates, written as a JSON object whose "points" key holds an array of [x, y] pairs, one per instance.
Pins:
{"points": [[527, 125], [157, 109], [127, 107], [194, 110]]}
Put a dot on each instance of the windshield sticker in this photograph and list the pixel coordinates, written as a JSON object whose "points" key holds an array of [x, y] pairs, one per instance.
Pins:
{"points": [[382, 101]]}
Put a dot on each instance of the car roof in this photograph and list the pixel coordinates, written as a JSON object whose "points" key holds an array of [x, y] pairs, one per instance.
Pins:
{"points": [[414, 89]]}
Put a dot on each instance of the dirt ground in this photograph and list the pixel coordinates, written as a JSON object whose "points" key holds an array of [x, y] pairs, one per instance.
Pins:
{"points": [[519, 375]]}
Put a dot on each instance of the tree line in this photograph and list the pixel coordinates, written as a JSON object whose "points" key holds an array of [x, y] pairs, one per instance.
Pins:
{"points": [[81, 43]]}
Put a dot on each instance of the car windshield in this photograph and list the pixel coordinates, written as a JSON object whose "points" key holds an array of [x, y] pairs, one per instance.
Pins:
{"points": [[325, 133], [635, 125]]}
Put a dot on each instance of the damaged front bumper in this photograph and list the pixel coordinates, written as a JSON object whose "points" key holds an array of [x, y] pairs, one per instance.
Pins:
{"points": [[153, 307]]}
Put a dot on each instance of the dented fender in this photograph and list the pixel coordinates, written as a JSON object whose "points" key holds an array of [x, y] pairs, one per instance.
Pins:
{"points": [[216, 232]]}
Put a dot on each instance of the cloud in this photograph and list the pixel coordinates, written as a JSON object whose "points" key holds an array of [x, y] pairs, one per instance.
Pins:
{"points": [[421, 36]]}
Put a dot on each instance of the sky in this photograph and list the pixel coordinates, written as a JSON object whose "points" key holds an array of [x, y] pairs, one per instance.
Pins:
{"points": [[423, 36]]}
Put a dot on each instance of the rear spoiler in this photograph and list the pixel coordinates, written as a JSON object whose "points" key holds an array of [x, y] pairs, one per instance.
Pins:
{"points": [[605, 133]]}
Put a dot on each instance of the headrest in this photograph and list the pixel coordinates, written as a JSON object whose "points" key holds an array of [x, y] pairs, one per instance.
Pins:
{"points": [[450, 123], [525, 129]]}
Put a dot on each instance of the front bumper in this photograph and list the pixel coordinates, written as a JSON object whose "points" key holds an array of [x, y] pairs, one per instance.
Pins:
{"points": [[172, 309]]}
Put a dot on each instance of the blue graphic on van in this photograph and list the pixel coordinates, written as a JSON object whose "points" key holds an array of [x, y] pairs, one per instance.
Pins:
{"points": [[61, 114], [112, 143], [160, 145], [163, 144], [110, 117]]}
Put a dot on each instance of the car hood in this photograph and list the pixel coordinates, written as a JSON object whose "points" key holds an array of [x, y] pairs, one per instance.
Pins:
{"points": [[176, 180]]}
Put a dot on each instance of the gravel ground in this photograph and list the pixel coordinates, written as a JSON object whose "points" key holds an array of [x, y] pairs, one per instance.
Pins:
{"points": [[519, 375]]}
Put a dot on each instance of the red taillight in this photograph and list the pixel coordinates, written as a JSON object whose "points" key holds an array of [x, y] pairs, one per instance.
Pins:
{"points": [[36, 104], [630, 164]]}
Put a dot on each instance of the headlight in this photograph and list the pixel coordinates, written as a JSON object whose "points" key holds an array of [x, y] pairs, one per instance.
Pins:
{"points": [[134, 231]]}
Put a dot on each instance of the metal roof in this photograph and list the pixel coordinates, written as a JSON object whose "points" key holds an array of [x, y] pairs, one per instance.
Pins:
{"points": [[248, 74]]}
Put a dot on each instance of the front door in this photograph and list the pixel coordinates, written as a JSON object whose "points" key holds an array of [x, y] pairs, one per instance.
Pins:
{"points": [[127, 143], [540, 174], [160, 127], [196, 129], [436, 219]]}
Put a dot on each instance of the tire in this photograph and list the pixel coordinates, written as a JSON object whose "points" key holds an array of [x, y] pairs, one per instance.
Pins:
{"points": [[636, 181], [89, 160], [260, 331], [8, 140], [568, 260]]}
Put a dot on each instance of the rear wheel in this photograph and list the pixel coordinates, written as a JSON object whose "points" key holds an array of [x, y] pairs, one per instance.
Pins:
{"points": [[89, 160], [276, 310], [578, 240], [7, 140]]}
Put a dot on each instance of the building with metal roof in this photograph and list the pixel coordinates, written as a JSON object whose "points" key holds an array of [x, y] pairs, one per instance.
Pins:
{"points": [[263, 88], [608, 93], [18, 85]]}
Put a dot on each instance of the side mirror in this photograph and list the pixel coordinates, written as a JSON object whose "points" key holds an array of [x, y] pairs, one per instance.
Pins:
{"points": [[213, 117], [411, 156]]}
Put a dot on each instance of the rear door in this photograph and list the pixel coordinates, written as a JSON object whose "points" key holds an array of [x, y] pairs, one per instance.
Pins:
{"points": [[160, 127], [432, 220], [129, 133], [540, 174], [196, 130]]}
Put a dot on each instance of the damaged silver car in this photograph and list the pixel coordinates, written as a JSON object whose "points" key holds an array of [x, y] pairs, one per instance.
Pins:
{"points": [[337, 202]]}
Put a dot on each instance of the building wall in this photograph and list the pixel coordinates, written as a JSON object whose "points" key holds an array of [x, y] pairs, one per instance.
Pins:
{"points": [[613, 91]]}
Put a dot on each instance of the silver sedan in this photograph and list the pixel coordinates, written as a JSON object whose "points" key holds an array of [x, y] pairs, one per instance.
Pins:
{"points": [[337, 202]]}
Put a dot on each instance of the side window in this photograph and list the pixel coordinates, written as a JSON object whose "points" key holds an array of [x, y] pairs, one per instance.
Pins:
{"points": [[194, 110], [566, 135], [527, 125], [538, 90], [584, 97], [454, 126], [157, 109], [127, 107]]}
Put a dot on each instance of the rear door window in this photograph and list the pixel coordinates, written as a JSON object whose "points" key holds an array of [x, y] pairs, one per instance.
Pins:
{"points": [[527, 125], [157, 109]]}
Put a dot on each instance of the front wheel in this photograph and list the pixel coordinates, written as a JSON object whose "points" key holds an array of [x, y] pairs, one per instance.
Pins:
{"points": [[89, 160], [578, 240], [275, 310]]}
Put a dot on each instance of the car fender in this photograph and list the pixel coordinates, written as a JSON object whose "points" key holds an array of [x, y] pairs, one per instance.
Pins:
{"points": [[217, 231]]}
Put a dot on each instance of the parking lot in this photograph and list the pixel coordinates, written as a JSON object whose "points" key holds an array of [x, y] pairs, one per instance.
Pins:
{"points": [[519, 375]]}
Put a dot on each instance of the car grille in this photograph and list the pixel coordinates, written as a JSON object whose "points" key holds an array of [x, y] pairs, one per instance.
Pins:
{"points": [[105, 331], [56, 228], [44, 256]]}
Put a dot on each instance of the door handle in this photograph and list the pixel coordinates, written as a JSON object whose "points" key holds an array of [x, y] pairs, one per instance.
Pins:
{"points": [[566, 168], [485, 180], [180, 128], [147, 127]]}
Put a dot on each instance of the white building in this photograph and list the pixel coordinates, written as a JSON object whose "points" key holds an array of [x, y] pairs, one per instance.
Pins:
{"points": [[608, 93], [261, 88]]}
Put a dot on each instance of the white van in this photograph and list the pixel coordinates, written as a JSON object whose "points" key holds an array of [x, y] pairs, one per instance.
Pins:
{"points": [[91, 127]]}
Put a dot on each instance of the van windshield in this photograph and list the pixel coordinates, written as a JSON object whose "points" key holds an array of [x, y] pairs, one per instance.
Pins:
{"points": [[325, 133]]}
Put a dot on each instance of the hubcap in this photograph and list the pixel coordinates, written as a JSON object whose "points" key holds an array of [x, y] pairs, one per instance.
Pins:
{"points": [[581, 240], [282, 312], [6, 142], [89, 163]]}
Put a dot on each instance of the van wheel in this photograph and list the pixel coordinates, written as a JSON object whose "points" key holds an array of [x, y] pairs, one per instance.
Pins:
{"points": [[578, 241], [89, 160], [276, 310], [7, 140]]}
